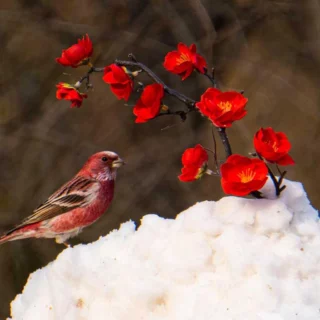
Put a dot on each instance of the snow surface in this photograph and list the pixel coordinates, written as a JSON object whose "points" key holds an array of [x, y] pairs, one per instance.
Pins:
{"points": [[235, 259]]}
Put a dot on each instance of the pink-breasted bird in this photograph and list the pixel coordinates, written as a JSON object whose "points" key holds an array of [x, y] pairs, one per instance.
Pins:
{"points": [[77, 204]]}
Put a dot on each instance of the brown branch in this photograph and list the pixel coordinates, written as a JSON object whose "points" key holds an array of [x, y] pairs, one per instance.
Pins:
{"points": [[182, 114], [210, 77], [186, 100], [190, 103], [215, 151], [224, 138], [87, 77], [276, 183]]}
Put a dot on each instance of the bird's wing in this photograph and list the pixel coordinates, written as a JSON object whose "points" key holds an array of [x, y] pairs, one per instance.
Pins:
{"points": [[79, 192]]}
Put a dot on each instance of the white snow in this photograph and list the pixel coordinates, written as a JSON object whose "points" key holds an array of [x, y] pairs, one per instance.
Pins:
{"points": [[234, 259]]}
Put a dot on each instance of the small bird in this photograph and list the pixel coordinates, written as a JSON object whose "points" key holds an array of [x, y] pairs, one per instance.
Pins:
{"points": [[77, 204]]}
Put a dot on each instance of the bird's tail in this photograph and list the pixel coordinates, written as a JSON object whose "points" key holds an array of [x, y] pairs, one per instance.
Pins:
{"points": [[5, 238], [15, 234]]}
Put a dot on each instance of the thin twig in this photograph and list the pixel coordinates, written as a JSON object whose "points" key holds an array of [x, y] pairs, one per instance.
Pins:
{"points": [[215, 150], [170, 126], [281, 174], [281, 177], [87, 77], [210, 77], [208, 150], [180, 113], [277, 183], [274, 180], [225, 141]]}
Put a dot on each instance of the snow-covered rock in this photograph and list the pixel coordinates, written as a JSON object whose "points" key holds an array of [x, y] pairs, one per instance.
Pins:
{"points": [[235, 259]]}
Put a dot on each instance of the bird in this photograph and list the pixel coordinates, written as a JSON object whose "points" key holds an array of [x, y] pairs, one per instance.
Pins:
{"points": [[77, 204]]}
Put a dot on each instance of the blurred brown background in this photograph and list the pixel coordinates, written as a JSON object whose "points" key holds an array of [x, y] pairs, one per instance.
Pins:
{"points": [[271, 49]]}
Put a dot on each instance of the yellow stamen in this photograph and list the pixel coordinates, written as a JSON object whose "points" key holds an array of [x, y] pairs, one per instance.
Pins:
{"points": [[125, 69], [275, 146], [225, 106], [183, 58], [201, 171], [164, 107], [246, 175]]}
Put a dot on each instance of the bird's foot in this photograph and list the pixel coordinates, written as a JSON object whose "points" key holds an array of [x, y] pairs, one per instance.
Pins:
{"points": [[67, 244]]}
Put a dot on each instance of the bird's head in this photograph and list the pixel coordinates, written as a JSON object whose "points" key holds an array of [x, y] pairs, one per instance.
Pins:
{"points": [[103, 165]]}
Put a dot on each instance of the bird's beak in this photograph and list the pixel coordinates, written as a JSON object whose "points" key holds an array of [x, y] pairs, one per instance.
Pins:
{"points": [[118, 163]]}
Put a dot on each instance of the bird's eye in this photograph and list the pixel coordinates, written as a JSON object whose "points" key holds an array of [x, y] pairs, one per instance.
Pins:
{"points": [[104, 159]]}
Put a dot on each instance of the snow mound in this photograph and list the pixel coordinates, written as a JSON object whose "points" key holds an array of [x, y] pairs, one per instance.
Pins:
{"points": [[239, 259]]}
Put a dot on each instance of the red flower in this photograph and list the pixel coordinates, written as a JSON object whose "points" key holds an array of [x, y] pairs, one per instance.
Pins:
{"points": [[120, 82], [78, 54], [273, 146], [67, 92], [184, 61], [149, 104], [241, 175], [194, 162], [222, 108]]}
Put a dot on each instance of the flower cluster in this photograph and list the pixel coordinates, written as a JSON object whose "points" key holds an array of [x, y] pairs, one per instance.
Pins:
{"points": [[240, 175]]}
